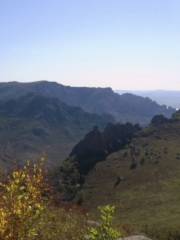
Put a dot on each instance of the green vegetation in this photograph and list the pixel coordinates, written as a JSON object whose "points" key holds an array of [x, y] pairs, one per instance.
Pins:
{"points": [[28, 212], [104, 230], [142, 181], [138, 171], [70, 179], [22, 204], [29, 209], [94, 148]]}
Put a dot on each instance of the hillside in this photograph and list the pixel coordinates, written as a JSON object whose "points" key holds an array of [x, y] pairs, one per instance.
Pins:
{"points": [[33, 125], [142, 180], [96, 145], [93, 148], [169, 98], [125, 107]]}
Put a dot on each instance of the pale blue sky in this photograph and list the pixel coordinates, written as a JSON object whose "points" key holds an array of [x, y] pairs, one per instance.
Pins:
{"points": [[125, 44]]}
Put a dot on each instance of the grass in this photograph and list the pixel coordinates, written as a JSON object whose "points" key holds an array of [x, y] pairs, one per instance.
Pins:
{"points": [[147, 195]]}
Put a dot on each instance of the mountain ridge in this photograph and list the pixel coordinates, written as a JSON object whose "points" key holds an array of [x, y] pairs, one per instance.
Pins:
{"points": [[169, 98], [126, 107], [33, 125]]}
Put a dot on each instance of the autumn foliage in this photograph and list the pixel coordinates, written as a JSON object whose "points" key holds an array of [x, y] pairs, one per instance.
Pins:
{"points": [[27, 212], [21, 204]]}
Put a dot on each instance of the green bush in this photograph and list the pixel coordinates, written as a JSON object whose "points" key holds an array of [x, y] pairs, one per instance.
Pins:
{"points": [[104, 230]]}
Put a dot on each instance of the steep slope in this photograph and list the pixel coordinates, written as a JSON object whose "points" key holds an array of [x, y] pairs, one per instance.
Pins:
{"points": [[126, 107], [142, 180], [33, 125], [96, 145], [93, 148]]}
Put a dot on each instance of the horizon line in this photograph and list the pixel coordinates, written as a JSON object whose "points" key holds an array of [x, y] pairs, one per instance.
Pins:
{"points": [[91, 86]]}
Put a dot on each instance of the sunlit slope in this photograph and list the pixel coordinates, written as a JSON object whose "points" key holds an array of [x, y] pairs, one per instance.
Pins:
{"points": [[143, 180]]}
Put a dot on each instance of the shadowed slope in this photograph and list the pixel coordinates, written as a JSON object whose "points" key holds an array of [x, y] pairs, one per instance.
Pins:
{"points": [[34, 125]]}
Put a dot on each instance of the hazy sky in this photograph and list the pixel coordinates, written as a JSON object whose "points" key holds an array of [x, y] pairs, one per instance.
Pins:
{"points": [[125, 44]]}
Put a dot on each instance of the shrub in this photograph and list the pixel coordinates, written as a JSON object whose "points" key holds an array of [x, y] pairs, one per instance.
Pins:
{"points": [[70, 179], [26, 212], [105, 230], [21, 204]]}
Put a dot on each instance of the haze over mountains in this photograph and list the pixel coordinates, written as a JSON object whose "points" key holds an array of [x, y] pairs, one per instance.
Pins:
{"points": [[48, 118], [169, 98], [125, 107], [88, 129], [34, 125], [81, 156]]}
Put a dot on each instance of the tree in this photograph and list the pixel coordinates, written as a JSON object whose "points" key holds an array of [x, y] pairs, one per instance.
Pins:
{"points": [[159, 120], [22, 203]]}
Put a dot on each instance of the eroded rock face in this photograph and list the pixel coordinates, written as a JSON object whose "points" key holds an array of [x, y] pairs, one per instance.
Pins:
{"points": [[135, 237]]}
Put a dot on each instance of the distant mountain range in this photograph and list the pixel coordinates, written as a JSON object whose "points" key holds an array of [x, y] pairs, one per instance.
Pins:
{"points": [[169, 98], [47, 118], [125, 107], [32, 126]]}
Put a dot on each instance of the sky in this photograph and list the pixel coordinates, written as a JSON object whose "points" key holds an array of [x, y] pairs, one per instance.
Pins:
{"points": [[123, 44]]}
